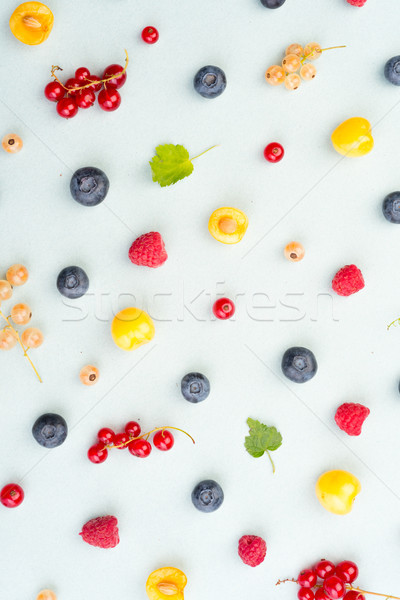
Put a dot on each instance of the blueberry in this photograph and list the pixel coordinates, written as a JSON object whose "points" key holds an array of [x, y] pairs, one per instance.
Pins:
{"points": [[392, 70], [207, 496], [299, 364], [72, 282], [391, 207], [50, 430], [89, 186], [210, 82], [195, 387], [272, 3]]}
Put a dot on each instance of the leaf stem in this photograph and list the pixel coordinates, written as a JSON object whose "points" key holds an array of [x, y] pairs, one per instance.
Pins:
{"points": [[20, 343], [272, 462], [201, 153]]}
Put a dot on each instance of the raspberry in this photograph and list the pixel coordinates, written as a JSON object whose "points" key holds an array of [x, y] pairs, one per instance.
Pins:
{"points": [[252, 550], [101, 532], [348, 280], [350, 417], [148, 250], [357, 2]]}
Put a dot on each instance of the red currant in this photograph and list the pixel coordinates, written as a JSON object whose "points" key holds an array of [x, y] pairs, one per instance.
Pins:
{"points": [[133, 429], [324, 568], [67, 108], [121, 440], [12, 495], [117, 82], [82, 74], [307, 578], [54, 91], [109, 99], [321, 595], [150, 35], [163, 440], [97, 85], [273, 152], [347, 570], [140, 448], [97, 454], [106, 436], [305, 594], [223, 308], [85, 98], [334, 587], [353, 595], [72, 83]]}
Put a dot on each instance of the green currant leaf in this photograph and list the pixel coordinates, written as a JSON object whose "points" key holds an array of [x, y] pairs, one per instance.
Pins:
{"points": [[262, 438], [170, 164]]}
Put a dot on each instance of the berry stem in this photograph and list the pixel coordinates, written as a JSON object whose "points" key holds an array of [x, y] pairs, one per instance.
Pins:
{"points": [[320, 51], [395, 322], [272, 462], [201, 153], [146, 435], [349, 587], [20, 343], [55, 68]]}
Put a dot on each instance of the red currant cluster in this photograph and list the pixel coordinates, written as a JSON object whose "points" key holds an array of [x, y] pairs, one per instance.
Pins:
{"points": [[138, 444], [80, 91]]}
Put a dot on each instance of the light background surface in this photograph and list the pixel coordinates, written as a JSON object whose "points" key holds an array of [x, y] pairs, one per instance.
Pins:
{"points": [[332, 206]]}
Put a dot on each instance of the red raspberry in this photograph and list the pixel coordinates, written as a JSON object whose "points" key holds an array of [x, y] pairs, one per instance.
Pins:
{"points": [[101, 532], [348, 280], [350, 417], [357, 2], [252, 550], [148, 250]]}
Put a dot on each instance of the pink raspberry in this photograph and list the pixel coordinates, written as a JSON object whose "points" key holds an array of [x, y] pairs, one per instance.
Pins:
{"points": [[148, 250], [252, 550], [101, 532], [350, 417], [357, 2], [348, 280]]}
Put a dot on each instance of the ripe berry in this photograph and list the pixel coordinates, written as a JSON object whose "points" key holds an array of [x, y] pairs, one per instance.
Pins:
{"points": [[321, 595], [133, 429], [32, 337], [223, 308], [106, 436], [89, 375], [11, 495], [150, 35], [324, 568], [294, 251], [140, 448], [12, 143], [97, 454], [163, 440], [85, 98], [120, 440], [117, 82], [71, 84], [54, 91], [17, 275], [353, 595], [305, 594], [109, 99], [5, 290], [67, 108], [97, 85], [307, 578], [334, 587], [21, 314], [82, 74], [347, 570], [273, 152]]}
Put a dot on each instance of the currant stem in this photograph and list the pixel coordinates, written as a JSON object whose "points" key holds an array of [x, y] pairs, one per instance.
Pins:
{"points": [[55, 68], [201, 153], [319, 52], [272, 462], [146, 435], [20, 343], [396, 321]]}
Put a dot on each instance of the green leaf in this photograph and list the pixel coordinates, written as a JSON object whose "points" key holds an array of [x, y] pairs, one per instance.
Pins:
{"points": [[261, 438], [170, 164]]}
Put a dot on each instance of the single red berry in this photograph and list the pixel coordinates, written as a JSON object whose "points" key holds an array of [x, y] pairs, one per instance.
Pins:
{"points": [[109, 100], [252, 549], [97, 454], [324, 568], [163, 440], [357, 2], [72, 83], [12, 495], [347, 570], [305, 594], [67, 108], [321, 595], [273, 152], [334, 587], [82, 74], [307, 578], [223, 308], [54, 91], [140, 448], [85, 98], [150, 35], [133, 429], [121, 440], [106, 436], [354, 595], [97, 85], [117, 82]]}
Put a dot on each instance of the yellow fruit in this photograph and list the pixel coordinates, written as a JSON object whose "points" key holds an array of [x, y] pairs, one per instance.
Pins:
{"points": [[132, 328], [228, 225], [167, 583], [336, 490], [353, 137], [31, 22]]}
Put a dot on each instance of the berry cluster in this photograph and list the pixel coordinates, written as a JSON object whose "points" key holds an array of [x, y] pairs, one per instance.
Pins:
{"points": [[137, 443], [294, 62], [80, 91], [20, 314]]}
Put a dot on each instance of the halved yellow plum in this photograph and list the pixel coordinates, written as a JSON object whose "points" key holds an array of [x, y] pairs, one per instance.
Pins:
{"points": [[228, 225], [31, 22], [167, 583]]}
